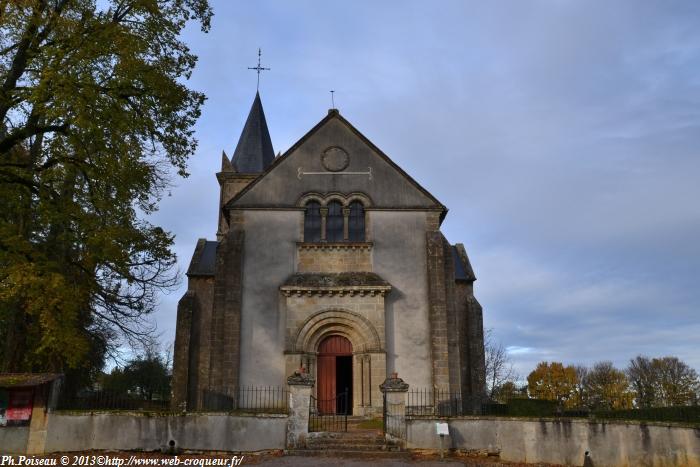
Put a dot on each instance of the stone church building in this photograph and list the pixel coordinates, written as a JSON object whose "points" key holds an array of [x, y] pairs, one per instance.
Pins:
{"points": [[328, 257]]}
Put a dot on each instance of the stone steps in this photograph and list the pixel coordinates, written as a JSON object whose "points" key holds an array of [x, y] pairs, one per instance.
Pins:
{"points": [[355, 443], [352, 447], [345, 442], [349, 453]]}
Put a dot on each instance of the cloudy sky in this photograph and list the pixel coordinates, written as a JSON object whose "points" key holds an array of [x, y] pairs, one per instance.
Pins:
{"points": [[564, 136]]}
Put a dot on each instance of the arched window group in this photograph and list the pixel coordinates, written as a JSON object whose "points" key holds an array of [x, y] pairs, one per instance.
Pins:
{"points": [[334, 222], [312, 222]]}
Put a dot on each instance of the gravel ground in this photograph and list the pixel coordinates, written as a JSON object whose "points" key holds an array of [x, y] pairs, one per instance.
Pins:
{"points": [[299, 461], [276, 458]]}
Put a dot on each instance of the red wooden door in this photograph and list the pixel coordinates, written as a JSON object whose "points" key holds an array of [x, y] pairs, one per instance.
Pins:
{"points": [[330, 348]]}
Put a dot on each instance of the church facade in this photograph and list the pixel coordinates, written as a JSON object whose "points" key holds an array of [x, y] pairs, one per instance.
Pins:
{"points": [[328, 258]]}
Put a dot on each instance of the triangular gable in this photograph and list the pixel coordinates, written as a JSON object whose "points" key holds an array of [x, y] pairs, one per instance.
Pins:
{"points": [[300, 170]]}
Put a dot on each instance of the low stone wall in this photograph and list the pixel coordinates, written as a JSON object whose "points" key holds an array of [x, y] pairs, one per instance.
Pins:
{"points": [[133, 431], [13, 440], [558, 441]]}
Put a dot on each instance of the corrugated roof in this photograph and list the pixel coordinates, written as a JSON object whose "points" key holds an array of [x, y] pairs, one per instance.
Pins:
{"points": [[254, 151], [25, 380], [203, 261]]}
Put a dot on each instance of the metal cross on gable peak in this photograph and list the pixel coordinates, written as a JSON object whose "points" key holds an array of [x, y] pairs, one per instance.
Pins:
{"points": [[258, 69]]}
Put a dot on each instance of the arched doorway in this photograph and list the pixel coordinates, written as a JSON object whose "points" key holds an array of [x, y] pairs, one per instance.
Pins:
{"points": [[334, 374]]}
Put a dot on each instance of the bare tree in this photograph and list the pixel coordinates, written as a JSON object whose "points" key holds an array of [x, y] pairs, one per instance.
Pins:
{"points": [[499, 367]]}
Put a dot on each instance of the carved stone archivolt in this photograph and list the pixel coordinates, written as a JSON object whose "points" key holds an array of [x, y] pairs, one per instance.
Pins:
{"points": [[358, 329]]}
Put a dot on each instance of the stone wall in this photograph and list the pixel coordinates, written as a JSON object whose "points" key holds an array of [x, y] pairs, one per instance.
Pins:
{"points": [[555, 441], [438, 313], [399, 257], [193, 343], [13, 440], [336, 257], [200, 432], [359, 318], [226, 313], [469, 323], [268, 260]]}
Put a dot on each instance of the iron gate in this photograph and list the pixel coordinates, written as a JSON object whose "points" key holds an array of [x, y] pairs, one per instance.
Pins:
{"points": [[329, 414]]}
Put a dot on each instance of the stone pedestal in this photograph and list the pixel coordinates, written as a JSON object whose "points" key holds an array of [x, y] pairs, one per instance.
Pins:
{"points": [[300, 385], [394, 390]]}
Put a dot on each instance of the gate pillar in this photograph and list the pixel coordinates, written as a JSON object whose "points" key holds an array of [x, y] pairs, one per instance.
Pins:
{"points": [[394, 390], [300, 384]]}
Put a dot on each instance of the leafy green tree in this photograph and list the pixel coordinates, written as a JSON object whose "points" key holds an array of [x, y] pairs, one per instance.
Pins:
{"points": [[145, 377], [606, 387], [94, 116], [552, 381]]}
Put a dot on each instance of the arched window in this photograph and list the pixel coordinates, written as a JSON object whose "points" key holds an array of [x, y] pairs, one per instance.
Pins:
{"points": [[356, 222], [334, 222], [312, 222]]}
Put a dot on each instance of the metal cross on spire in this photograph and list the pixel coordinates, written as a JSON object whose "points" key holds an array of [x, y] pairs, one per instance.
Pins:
{"points": [[258, 69]]}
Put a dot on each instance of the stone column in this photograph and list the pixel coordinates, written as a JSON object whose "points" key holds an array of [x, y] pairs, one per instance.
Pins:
{"points": [[346, 223], [324, 216], [300, 384], [394, 390]]}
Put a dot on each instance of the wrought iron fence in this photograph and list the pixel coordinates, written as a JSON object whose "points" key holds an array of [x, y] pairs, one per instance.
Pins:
{"points": [[249, 399], [427, 403], [107, 400], [442, 403]]}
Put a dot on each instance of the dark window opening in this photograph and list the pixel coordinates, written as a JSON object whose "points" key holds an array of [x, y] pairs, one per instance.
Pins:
{"points": [[356, 222], [312, 222], [334, 222]]}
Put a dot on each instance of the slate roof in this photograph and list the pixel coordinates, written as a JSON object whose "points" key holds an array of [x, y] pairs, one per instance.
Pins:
{"points": [[254, 151], [463, 272], [26, 380], [204, 258]]}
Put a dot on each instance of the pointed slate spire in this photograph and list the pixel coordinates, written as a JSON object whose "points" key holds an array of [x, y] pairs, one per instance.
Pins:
{"points": [[254, 151], [225, 163]]}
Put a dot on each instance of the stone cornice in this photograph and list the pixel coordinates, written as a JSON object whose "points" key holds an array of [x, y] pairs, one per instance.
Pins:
{"points": [[221, 176], [350, 290]]}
